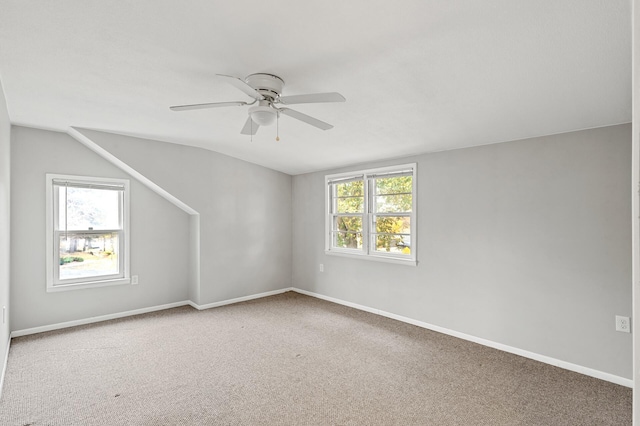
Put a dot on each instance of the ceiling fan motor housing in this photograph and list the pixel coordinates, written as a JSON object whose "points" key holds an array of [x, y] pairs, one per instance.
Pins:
{"points": [[268, 85]]}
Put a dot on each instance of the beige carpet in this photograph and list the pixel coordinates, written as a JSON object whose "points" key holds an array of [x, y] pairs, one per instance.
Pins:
{"points": [[287, 360]]}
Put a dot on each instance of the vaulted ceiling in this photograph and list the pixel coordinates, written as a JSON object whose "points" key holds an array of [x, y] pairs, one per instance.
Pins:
{"points": [[418, 75]]}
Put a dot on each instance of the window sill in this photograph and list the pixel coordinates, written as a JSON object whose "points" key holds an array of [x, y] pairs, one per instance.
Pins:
{"points": [[88, 284], [372, 257]]}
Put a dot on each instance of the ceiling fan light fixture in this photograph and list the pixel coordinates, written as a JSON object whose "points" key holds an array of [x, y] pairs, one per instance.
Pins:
{"points": [[263, 115]]}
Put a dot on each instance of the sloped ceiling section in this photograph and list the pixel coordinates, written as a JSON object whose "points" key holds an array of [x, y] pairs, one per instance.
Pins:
{"points": [[419, 76]]}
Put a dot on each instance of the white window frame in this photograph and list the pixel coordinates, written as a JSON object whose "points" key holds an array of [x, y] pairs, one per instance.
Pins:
{"points": [[52, 235], [368, 216]]}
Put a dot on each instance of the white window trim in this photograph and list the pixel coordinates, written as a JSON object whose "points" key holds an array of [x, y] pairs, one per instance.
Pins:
{"points": [[365, 253], [51, 247]]}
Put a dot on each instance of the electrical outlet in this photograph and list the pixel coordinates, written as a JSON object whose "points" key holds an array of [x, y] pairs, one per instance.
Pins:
{"points": [[623, 324], [321, 267], [134, 280]]}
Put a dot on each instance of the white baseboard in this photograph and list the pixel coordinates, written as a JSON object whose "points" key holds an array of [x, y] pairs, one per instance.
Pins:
{"points": [[239, 299], [4, 367], [521, 352], [100, 318]]}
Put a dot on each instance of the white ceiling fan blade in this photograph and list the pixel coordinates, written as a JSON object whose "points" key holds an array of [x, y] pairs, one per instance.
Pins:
{"points": [[312, 98], [203, 106], [307, 119], [242, 85], [250, 127]]}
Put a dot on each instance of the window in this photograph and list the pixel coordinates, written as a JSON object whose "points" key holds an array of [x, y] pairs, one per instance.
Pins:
{"points": [[371, 214], [87, 232]]}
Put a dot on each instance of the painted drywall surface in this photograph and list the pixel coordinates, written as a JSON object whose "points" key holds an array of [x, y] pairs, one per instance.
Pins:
{"points": [[194, 259], [245, 212], [159, 237], [5, 263], [635, 182], [525, 243]]}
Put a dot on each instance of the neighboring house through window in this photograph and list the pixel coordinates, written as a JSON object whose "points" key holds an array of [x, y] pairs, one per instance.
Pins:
{"points": [[87, 232], [372, 214]]}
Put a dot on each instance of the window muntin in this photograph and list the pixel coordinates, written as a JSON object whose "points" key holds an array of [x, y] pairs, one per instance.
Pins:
{"points": [[87, 232], [371, 213]]}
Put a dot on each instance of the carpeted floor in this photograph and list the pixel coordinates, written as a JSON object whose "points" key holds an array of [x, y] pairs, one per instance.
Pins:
{"points": [[287, 360]]}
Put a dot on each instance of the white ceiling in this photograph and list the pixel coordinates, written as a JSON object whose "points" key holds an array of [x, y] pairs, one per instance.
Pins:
{"points": [[419, 75]]}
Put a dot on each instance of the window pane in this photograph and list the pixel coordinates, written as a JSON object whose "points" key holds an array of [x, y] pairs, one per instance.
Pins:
{"points": [[88, 208], [347, 223], [349, 189], [393, 243], [349, 205], [393, 224], [393, 203], [347, 240], [348, 197], [88, 255], [394, 185]]}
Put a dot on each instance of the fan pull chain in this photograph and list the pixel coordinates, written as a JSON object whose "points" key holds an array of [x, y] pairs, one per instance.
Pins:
{"points": [[277, 127]]}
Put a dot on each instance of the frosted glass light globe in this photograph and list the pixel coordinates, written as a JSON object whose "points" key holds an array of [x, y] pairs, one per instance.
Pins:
{"points": [[263, 115]]}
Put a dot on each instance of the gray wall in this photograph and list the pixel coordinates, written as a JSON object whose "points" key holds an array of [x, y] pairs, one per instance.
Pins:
{"points": [[159, 237], [5, 156], [525, 243], [635, 323], [245, 212]]}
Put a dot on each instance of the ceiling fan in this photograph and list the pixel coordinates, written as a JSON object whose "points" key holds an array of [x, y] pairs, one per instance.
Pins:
{"points": [[265, 89]]}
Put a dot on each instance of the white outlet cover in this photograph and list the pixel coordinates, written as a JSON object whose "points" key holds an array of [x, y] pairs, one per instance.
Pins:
{"points": [[623, 324]]}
